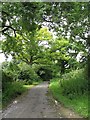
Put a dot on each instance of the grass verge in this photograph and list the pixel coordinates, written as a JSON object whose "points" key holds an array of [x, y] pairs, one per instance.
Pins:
{"points": [[79, 103]]}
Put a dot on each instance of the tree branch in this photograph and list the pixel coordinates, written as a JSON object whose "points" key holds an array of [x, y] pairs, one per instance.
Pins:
{"points": [[47, 20], [5, 12], [7, 28]]}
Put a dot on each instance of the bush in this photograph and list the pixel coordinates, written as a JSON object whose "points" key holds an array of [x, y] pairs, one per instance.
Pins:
{"points": [[27, 74], [6, 78], [28, 82], [10, 72], [11, 68], [74, 83], [79, 103], [24, 74], [11, 91]]}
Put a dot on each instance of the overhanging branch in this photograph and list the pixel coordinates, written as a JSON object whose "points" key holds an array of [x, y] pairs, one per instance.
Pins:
{"points": [[7, 28]]}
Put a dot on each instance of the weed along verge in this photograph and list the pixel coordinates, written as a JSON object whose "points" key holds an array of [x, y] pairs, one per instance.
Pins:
{"points": [[76, 102]]}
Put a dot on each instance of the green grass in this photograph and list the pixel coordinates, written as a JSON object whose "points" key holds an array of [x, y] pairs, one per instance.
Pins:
{"points": [[79, 103], [12, 91]]}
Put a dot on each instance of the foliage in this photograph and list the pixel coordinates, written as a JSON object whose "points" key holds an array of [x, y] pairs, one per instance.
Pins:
{"points": [[11, 68], [69, 21], [28, 46], [12, 71], [74, 83], [29, 28], [59, 53], [79, 103], [11, 91], [28, 75], [15, 85], [45, 73], [5, 79]]}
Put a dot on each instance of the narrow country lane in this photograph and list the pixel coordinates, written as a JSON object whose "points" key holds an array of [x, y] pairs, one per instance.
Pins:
{"points": [[33, 105]]}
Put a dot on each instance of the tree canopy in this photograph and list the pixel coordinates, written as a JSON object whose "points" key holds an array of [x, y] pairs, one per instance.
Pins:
{"points": [[29, 28]]}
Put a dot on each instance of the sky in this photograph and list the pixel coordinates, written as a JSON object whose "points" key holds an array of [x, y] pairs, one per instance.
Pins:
{"points": [[2, 58]]}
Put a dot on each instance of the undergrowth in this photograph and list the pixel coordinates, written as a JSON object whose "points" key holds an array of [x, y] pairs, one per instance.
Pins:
{"points": [[74, 83], [12, 90], [71, 90]]}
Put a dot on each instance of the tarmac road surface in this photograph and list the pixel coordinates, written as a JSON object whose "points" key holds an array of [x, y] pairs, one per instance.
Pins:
{"points": [[35, 104]]}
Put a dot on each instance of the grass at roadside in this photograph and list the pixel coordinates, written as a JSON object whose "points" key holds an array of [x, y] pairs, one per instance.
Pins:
{"points": [[14, 90], [79, 103]]}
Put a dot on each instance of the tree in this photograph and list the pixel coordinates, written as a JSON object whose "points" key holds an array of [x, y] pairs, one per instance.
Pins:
{"points": [[17, 17], [27, 47], [59, 53], [66, 19]]}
